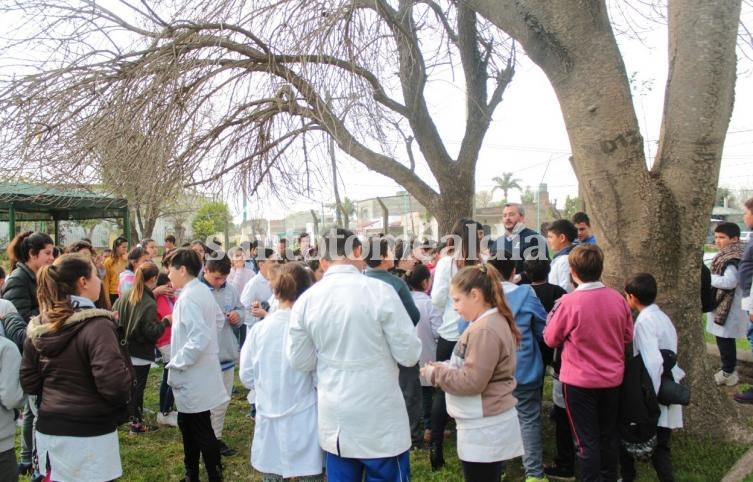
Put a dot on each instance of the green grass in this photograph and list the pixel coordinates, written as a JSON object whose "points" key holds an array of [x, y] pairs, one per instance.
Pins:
{"points": [[740, 343], [158, 456]]}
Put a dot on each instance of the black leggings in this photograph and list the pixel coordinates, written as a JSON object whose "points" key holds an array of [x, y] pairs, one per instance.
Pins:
{"points": [[439, 407], [482, 471]]}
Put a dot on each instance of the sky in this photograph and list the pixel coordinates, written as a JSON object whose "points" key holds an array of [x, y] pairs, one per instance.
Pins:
{"points": [[527, 135]]}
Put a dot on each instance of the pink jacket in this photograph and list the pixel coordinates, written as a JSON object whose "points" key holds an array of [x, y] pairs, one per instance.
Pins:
{"points": [[593, 324]]}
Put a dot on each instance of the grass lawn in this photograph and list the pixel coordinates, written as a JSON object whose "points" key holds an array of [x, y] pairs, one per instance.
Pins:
{"points": [[158, 456]]}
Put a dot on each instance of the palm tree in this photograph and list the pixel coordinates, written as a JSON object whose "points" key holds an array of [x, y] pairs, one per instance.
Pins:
{"points": [[505, 183]]}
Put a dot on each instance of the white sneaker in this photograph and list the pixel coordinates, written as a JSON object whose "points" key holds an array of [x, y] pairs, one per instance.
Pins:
{"points": [[170, 419], [723, 378]]}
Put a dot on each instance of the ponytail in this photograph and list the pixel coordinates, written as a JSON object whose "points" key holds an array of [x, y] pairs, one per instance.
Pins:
{"points": [[144, 273], [486, 279], [55, 285]]}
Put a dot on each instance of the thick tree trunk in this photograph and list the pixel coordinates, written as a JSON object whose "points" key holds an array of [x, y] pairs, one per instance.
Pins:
{"points": [[654, 219], [455, 202]]}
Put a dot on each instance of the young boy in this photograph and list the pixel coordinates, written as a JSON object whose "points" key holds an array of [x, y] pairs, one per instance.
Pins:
{"points": [[530, 318], [215, 277], [195, 374], [654, 331], [727, 321], [592, 371], [560, 237], [537, 271]]}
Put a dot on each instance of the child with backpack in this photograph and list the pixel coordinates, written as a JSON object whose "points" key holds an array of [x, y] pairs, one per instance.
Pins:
{"points": [[654, 331], [726, 321]]}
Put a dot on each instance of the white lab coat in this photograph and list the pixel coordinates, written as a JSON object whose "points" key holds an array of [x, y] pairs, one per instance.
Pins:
{"points": [[559, 274], [354, 331], [286, 439], [654, 331], [257, 289], [195, 375], [736, 325]]}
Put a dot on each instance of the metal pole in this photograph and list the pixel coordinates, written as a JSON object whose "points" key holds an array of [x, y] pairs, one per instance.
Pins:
{"points": [[11, 222]]}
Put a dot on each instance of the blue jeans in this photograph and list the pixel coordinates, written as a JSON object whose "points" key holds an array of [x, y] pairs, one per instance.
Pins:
{"points": [[750, 334], [384, 469], [166, 398], [529, 417]]}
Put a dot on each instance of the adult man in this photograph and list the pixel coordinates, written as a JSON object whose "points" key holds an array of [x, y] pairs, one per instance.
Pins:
{"points": [[583, 225], [745, 272], [522, 242], [355, 331]]}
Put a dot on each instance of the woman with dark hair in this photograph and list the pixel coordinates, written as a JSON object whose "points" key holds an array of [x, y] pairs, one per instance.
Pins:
{"points": [[72, 350], [114, 265], [463, 249], [28, 253]]}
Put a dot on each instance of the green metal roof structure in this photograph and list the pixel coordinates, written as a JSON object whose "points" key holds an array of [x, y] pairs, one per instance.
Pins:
{"points": [[38, 202]]}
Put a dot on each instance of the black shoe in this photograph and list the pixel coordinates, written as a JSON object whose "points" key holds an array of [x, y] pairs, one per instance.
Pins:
{"points": [[225, 451], [436, 456], [25, 468], [556, 472]]}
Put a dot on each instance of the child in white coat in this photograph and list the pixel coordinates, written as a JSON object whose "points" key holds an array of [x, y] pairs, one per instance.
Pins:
{"points": [[286, 438], [653, 332], [194, 368]]}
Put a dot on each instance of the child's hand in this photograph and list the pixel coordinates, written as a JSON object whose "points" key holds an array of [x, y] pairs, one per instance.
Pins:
{"points": [[233, 318]]}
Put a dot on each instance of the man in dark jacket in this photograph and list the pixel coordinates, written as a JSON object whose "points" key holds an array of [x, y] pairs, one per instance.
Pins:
{"points": [[524, 243]]}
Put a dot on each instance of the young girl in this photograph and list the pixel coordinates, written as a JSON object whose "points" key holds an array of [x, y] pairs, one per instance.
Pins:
{"points": [[195, 375], [479, 378], [419, 280], [165, 304], [286, 440], [463, 249], [114, 265], [136, 257], [137, 314], [72, 350]]}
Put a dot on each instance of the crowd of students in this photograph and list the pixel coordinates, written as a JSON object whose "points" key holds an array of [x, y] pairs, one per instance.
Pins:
{"points": [[354, 352]]}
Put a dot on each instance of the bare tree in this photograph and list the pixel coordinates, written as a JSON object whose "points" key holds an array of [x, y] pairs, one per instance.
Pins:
{"points": [[250, 81], [647, 219]]}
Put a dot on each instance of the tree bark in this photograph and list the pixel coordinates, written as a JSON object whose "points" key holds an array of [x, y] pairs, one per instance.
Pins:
{"points": [[654, 219]]}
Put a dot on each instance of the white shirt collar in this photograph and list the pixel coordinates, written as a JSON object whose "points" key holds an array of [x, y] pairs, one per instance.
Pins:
{"points": [[593, 285]]}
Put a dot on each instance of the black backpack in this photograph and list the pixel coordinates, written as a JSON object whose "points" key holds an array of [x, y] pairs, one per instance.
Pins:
{"points": [[639, 410]]}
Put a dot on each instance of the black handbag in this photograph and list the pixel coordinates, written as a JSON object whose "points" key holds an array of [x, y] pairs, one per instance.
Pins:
{"points": [[670, 391]]}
